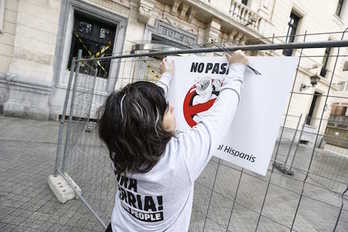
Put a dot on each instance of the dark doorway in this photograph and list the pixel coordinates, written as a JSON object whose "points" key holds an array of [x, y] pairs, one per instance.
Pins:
{"points": [[96, 39]]}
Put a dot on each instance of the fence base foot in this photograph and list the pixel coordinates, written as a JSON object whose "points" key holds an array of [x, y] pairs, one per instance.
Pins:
{"points": [[283, 169], [63, 190]]}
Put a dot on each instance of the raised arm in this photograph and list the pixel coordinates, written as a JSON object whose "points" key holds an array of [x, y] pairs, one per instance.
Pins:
{"points": [[167, 71], [200, 142]]}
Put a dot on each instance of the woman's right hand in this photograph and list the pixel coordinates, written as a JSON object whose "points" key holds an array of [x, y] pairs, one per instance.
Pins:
{"points": [[237, 57], [167, 66]]}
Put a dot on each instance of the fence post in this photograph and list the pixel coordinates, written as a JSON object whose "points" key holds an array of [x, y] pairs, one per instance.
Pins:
{"points": [[295, 152], [282, 167], [292, 141], [58, 164], [68, 129], [92, 93], [89, 127], [341, 208]]}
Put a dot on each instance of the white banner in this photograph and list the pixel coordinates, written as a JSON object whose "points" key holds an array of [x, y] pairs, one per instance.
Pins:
{"points": [[256, 124]]}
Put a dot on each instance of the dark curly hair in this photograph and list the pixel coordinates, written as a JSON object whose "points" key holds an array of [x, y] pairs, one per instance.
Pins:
{"points": [[131, 127]]}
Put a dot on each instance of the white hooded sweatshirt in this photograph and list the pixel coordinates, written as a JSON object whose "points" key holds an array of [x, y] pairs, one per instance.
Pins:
{"points": [[161, 199]]}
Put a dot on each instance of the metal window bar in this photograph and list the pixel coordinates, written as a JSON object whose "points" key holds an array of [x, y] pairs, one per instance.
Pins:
{"points": [[83, 152]]}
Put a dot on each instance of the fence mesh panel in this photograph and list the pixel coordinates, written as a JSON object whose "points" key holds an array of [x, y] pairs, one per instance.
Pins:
{"points": [[305, 186]]}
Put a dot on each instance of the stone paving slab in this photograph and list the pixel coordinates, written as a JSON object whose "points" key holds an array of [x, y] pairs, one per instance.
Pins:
{"points": [[27, 156]]}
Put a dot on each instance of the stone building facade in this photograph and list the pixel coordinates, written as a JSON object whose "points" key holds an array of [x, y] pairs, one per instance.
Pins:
{"points": [[38, 39]]}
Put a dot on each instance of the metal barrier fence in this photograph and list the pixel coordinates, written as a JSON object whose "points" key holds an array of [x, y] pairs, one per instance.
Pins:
{"points": [[305, 188]]}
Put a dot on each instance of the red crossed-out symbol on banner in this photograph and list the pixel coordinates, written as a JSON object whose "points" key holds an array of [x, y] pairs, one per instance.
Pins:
{"points": [[191, 110]]}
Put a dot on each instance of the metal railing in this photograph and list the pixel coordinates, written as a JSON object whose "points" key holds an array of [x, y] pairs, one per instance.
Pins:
{"points": [[244, 15]]}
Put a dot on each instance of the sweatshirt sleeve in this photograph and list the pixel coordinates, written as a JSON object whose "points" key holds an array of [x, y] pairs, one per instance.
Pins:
{"points": [[164, 82], [198, 142]]}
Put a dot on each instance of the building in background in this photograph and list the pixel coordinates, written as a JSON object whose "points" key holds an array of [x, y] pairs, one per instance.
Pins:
{"points": [[38, 39]]}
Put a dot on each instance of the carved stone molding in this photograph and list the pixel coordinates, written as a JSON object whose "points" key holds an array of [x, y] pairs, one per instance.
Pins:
{"points": [[122, 3], [232, 36], [184, 10], [224, 38], [242, 39], [239, 38], [191, 15], [175, 7], [213, 31], [145, 9], [173, 33]]}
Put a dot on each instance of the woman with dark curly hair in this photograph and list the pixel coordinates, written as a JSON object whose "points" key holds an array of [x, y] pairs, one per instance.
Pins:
{"points": [[155, 167]]}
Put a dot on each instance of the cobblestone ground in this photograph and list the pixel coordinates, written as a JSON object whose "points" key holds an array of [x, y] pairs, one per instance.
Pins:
{"points": [[27, 156]]}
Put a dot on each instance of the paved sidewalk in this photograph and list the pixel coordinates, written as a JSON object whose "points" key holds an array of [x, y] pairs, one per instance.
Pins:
{"points": [[27, 156]]}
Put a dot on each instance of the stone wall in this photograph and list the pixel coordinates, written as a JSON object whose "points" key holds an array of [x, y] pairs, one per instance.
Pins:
{"points": [[29, 76], [29, 71]]}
